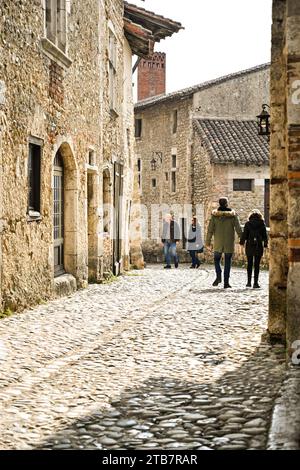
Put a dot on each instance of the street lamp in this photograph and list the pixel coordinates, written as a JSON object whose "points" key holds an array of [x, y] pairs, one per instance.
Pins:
{"points": [[263, 121]]}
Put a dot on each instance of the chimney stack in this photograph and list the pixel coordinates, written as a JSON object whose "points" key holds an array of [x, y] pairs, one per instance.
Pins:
{"points": [[152, 76]]}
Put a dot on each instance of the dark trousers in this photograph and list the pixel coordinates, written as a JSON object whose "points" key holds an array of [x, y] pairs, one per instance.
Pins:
{"points": [[195, 260], [256, 261], [227, 266]]}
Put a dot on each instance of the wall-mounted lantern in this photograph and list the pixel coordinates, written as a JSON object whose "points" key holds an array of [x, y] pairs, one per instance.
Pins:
{"points": [[263, 121], [153, 164], [154, 160]]}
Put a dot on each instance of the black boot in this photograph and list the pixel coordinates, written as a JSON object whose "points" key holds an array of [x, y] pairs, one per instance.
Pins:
{"points": [[249, 282], [217, 282], [256, 285]]}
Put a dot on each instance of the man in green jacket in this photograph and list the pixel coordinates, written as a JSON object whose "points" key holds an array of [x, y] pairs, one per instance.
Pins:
{"points": [[223, 224]]}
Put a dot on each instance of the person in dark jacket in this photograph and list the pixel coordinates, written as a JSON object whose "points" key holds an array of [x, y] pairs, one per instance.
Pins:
{"points": [[195, 242], [256, 238], [170, 237]]}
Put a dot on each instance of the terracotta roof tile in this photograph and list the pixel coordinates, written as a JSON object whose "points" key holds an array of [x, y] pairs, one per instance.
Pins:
{"points": [[233, 141]]}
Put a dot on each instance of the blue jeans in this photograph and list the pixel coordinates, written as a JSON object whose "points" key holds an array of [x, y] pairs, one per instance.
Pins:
{"points": [[170, 250], [227, 267]]}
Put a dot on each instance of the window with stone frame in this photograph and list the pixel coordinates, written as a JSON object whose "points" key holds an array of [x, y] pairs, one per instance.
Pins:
{"points": [[139, 169], [243, 184], [34, 179], [56, 23], [175, 121], [173, 182], [112, 61], [174, 161], [153, 183], [138, 126]]}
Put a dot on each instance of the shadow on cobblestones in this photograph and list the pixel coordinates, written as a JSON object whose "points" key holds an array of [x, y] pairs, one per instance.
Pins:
{"points": [[231, 413]]}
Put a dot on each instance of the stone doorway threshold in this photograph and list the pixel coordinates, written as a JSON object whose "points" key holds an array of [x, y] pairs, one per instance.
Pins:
{"points": [[285, 427], [65, 285]]}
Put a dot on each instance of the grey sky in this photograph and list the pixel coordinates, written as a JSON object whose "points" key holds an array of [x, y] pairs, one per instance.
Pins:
{"points": [[220, 37]]}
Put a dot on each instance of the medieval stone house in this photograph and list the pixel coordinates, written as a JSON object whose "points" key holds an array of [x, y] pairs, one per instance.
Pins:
{"points": [[67, 164], [198, 144]]}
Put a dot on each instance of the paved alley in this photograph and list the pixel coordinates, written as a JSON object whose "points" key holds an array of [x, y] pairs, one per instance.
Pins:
{"points": [[156, 359]]}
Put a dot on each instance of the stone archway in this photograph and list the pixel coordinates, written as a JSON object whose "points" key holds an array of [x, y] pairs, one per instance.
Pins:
{"points": [[69, 208]]}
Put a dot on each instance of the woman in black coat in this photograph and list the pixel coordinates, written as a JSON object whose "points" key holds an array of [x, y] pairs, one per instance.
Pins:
{"points": [[256, 238]]}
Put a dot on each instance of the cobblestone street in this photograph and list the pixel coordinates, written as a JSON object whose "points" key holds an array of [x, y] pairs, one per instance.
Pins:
{"points": [[157, 359]]}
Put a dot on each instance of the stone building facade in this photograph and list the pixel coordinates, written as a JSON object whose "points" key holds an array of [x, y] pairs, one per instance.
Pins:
{"points": [[284, 318], [67, 162], [175, 169]]}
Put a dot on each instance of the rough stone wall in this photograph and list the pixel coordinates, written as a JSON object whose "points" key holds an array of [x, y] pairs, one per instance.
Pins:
{"points": [[284, 320], [293, 156], [62, 99], [241, 97], [33, 107], [112, 135], [279, 188], [131, 203]]}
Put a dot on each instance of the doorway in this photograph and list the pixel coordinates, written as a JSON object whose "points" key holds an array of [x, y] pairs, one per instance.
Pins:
{"points": [[58, 214], [92, 226], [118, 218]]}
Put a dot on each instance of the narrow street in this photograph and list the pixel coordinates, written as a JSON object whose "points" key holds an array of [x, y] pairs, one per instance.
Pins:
{"points": [[156, 359]]}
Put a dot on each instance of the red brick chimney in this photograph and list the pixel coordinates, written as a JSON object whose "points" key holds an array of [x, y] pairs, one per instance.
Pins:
{"points": [[152, 76]]}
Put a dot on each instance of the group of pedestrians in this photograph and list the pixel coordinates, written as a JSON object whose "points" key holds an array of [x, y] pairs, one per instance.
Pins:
{"points": [[223, 225]]}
